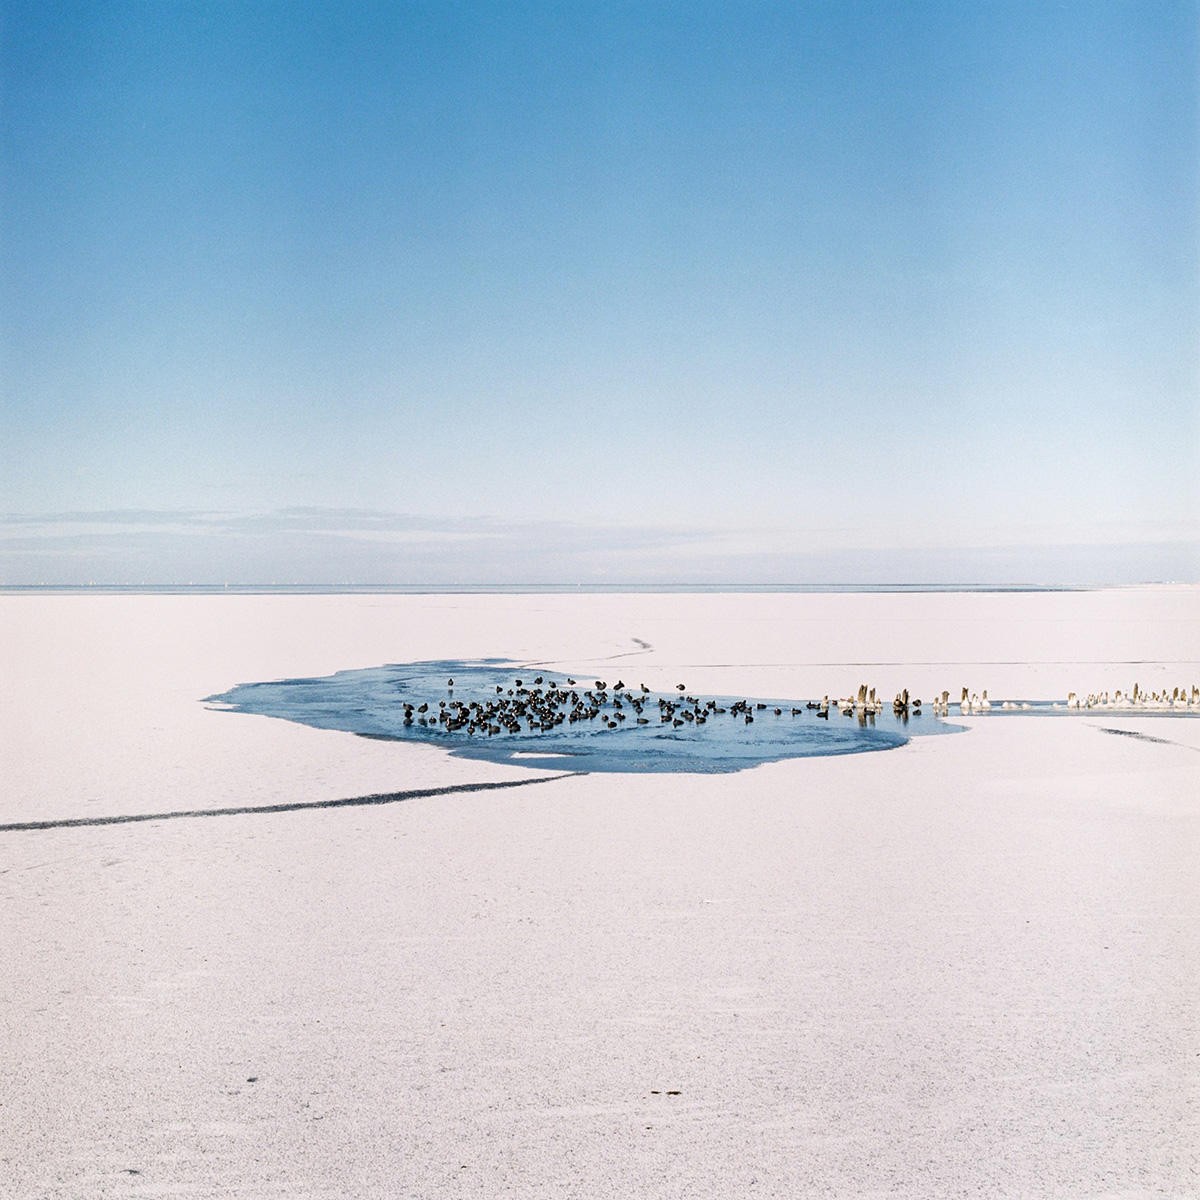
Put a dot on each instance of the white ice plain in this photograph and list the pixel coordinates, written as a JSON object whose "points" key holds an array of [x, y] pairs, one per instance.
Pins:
{"points": [[968, 966]]}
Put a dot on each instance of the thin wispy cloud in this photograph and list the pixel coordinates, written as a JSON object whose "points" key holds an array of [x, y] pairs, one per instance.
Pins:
{"points": [[321, 546]]}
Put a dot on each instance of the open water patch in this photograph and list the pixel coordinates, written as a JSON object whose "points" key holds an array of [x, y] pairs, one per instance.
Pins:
{"points": [[501, 711]]}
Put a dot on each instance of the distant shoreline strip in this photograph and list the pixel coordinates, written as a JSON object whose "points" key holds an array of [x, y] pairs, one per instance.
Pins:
{"points": [[296, 806]]}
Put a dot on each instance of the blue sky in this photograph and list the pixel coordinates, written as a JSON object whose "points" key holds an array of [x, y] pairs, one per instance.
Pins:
{"points": [[748, 284]]}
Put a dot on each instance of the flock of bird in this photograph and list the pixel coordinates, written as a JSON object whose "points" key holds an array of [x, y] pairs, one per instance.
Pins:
{"points": [[543, 705], [1180, 697]]}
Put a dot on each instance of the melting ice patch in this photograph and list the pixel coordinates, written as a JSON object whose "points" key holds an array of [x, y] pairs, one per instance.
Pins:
{"points": [[501, 711]]}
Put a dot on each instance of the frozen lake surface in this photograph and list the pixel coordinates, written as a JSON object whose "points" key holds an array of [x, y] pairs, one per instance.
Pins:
{"points": [[963, 968]]}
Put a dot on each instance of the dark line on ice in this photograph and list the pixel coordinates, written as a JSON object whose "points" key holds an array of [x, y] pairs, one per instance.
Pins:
{"points": [[296, 806], [1046, 662], [1144, 737], [644, 648]]}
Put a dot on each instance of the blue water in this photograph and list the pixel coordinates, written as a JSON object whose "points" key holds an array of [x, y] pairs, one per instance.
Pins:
{"points": [[370, 702]]}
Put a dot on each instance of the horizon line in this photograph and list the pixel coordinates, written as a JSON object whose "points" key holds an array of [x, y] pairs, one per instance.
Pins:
{"points": [[317, 588]]}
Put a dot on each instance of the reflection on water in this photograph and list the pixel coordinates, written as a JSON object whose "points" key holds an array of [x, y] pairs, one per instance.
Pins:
{"points": [[492, 709]]}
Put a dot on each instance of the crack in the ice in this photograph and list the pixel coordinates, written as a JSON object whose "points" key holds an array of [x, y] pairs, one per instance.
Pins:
{"points": [[295, 806]]}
